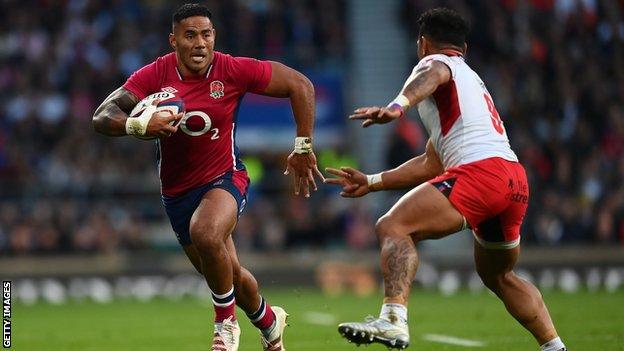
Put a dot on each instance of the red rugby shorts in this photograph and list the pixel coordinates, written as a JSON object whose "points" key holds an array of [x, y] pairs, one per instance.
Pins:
{"points": [[492, 194]]}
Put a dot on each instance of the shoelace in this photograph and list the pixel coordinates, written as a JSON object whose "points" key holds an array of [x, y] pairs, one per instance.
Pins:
{"points": [[370, 319], [229, 327], [223, 334]]}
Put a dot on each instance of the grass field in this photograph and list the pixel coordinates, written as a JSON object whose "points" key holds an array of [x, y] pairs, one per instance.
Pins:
{"points": [[586, 321]]}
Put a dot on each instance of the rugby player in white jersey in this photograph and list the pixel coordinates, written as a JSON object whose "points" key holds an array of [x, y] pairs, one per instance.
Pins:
{"points": [[468, 177]]}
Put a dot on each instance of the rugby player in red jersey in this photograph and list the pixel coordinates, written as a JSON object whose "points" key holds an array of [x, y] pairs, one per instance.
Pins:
{"points": [[204, 183], [468, 177]]}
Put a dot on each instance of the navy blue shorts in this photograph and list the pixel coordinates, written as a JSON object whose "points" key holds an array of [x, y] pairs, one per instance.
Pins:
{"points": [[180, 209]]}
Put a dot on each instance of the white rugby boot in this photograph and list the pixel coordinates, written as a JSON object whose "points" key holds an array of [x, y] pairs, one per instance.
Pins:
{"points": [[226, 336], [275, 341], [376, 330]]}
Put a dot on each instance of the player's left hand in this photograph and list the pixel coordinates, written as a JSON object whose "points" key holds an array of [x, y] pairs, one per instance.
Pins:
{"points": [[375, 115], [353, 182], [305, 169]]}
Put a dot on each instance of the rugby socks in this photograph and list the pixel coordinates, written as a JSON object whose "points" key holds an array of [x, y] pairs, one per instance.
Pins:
{"points": [[394, 313], [263, 318], [224, 305], [553, 345]]}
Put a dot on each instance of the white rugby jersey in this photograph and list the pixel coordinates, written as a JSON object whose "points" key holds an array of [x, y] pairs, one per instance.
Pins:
{"points": [[460, 117]]}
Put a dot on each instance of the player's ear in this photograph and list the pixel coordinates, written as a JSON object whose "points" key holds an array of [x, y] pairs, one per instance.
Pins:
{"points": [[465, 48], [172, 41], [422, 46], [428, 45]]}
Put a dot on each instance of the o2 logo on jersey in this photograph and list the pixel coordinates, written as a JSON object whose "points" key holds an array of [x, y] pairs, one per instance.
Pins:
{"points": [[196, 123], [497, 122]]}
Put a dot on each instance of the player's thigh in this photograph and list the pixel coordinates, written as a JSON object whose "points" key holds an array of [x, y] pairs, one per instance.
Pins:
{"points": [[215, 217], [493, 263], [423, 213]]}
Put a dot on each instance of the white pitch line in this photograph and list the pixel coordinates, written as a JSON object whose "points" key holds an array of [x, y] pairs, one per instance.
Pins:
{"points": [[447, 339], [319, 318]]}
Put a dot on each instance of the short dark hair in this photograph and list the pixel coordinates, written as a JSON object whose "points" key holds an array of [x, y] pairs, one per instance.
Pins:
{"points": [[190, 10], [444, 26]]}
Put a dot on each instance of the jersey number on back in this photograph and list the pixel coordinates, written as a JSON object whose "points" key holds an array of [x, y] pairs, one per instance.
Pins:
{"points": [[196, 123], [496, 120]]}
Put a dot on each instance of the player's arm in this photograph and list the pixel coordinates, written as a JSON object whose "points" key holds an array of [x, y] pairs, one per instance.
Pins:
{"points": [[111, 117], [288, 83], [419, 85], [413, 172], [408, 175]]}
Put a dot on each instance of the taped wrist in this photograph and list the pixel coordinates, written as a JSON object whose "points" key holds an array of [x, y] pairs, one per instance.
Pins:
{"points": [[401, 103], [303, 145], [375, 182], [138, 125]]}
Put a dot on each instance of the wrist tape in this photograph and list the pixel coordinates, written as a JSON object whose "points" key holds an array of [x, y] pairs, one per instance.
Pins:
{"points": [[375, 183], [303, 145]]}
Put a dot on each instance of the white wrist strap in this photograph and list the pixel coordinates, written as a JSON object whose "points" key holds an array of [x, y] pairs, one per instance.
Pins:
{"points": [[401, 101], [303, 145], [138, 125], [375, 182]]}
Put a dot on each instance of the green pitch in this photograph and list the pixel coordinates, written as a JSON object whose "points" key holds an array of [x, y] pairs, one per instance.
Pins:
{"points": [[586, 321]]}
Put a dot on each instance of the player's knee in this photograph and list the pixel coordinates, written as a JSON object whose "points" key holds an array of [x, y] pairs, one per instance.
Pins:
{"points": [[496, 281], [385, 227], [388, 227], [206, 237]]}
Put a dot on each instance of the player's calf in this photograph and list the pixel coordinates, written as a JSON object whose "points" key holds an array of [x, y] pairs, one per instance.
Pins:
{"points": [[521, 298]]}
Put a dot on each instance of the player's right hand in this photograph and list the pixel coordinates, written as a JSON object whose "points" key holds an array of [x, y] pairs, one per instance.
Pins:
{"points": [[353, 182], [375, 115], [163, 124]]}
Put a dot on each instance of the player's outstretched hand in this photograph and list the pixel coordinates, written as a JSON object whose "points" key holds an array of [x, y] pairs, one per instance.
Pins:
{"points": [[375, 115], [305, 169], [353, 182], [163, 124]]}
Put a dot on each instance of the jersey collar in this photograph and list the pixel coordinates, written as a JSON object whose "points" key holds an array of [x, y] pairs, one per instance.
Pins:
{"points": [[451, 52], [205, 77], [214, 60]]}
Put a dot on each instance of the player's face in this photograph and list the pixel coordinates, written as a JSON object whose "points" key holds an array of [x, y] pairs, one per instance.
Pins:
{"points": [[193, 40]]}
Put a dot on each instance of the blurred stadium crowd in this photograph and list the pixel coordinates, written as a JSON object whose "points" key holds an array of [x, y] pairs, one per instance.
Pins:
{"points": [[554, 68]]}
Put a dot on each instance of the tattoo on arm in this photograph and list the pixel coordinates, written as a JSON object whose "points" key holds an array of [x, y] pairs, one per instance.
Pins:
{"points": [[110, 117], [425, 81]]}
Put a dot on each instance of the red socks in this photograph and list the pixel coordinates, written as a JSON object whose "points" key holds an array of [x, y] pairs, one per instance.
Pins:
{"points": [[264, 317], [224, 305]]}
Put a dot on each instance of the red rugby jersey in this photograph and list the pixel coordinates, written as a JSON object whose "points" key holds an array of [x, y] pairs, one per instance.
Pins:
{"points": [[204, 146]]}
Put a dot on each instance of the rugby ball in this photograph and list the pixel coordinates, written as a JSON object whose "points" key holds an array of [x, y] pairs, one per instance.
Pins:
{"points": [[167, 102]]}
